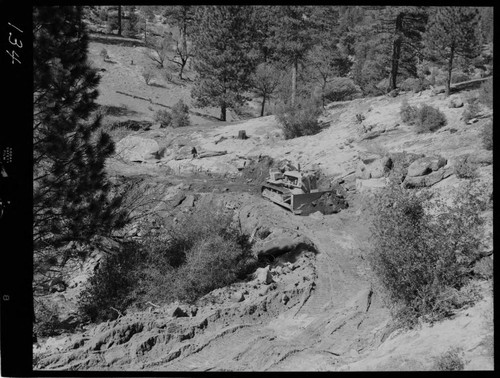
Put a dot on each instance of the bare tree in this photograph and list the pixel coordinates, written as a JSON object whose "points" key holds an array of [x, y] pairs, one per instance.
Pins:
{"points": [[157, 51]]}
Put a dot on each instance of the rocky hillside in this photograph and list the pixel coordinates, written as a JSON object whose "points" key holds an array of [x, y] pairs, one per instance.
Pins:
{"points": [[316, 304]]}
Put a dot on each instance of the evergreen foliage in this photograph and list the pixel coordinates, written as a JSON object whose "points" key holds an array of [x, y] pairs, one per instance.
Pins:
{"points": [[71, 198], [222, 47], [423, 248], [453, 32], [292, 36], [180, 114], [300, 119]]}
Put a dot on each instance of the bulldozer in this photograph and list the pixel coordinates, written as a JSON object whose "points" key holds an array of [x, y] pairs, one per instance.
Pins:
{"points": [[299, 193]]}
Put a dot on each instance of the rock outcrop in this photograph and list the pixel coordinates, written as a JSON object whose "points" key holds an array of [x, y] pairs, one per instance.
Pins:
{"points": [[137, 149], [373, 166]]}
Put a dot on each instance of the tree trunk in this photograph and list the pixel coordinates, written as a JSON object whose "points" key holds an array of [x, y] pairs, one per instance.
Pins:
{"points": [[184, 49], [396, 51], [223, 112], [119, 20], [450, 68], [294, 80], [263, 104], [183, 64]]}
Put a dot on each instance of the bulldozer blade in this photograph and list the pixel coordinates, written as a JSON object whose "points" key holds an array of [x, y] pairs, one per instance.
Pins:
{"points": [[300, 200]]}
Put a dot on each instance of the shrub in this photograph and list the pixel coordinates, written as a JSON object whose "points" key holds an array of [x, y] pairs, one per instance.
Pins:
{"points": [[429, 119], [486, 93], [414, 84], [299, 120], [458, 77], [180, 115], [471, 110], [148, 74], [46, 320], [360, 118], [465, 170], [341, 89], [111, 284], [104, 54], [201, 252], [452, 360], [423, 247], [408, 113], [487, 136], [163, 117]]}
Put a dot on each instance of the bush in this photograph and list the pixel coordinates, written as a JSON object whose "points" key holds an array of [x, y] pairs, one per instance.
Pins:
{"points": [[180, 115], [46, 320], [487, 136], [486, 93], [104, 54], [360, 118], [450, 361], [201, 252], [341, 89], [163, 117], [458, 77], [472, 109], [111, 285], [299, 120], [148, 74], [408, 113], [423, 247], [465, 170], [429, 119], [414, 84]]}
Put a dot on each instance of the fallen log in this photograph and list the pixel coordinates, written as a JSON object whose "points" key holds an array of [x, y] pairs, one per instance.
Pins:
{"points": [[206, 154]]}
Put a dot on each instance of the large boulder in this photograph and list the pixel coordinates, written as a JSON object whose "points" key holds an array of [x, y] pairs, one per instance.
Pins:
{"points": [[455, 102], [426, 165], [373, 166], [429, 179], [134, 148], [263, 275]]}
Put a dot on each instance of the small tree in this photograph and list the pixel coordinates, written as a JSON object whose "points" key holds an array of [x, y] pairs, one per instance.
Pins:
{"points": [[183, 17], [148, 74], [180, 115], [453, 32], [163, 117], [157, 50], [265, 81]]}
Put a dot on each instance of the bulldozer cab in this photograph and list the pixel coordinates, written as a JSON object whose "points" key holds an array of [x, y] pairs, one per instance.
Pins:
{"points": [[309, 183]]}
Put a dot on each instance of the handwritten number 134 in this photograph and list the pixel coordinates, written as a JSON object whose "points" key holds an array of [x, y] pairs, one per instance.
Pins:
{"points": [[14, 55]]}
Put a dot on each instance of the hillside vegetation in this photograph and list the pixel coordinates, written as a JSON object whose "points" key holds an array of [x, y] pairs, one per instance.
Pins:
{"points": [[154, 248]]}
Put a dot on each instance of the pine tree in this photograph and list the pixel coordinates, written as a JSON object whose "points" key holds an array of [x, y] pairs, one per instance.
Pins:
{"points": [[222, 47], [453, 32], [71, 199], [405, 25], [293, 35]]}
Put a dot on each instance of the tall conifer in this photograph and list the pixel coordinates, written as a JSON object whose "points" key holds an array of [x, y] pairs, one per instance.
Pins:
{"points": [[453, 32], [71, 197], [223, 58]]}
